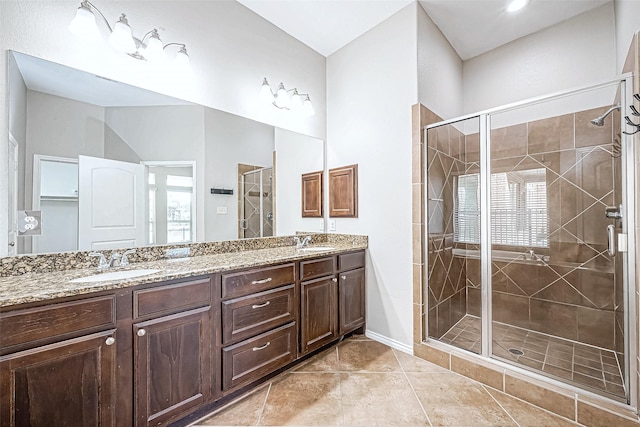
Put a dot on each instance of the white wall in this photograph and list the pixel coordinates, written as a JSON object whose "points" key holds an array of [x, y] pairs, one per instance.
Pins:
{"points": [[230, 140], [627, 16], [439, 70], [231, 50], [573, 53], [296, 154], [161, 133], [63, 128], [371, 86]]}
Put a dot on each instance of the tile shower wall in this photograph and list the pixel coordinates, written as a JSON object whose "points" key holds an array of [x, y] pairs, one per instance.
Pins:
{"points": [[574, 295], [447, 274]]}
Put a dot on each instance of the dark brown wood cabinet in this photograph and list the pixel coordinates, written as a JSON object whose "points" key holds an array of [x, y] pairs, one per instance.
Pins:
{"points": [[319, 313], [172, 365], [312, 199], [351, 297], [153, 354], [343, 192], [67, 383]]}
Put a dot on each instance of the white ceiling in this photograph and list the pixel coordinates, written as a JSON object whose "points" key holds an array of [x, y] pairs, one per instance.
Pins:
{"points": [[471, 26]]}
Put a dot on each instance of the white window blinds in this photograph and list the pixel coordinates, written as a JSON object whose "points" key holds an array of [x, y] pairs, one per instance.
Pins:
{"points": [[518, 209]]}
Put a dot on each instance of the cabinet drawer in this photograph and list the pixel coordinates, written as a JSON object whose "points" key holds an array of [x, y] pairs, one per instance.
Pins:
{"points": [[54, 320], [252, 359], [250, 315], [171, 298], [251, 281], [350, 261], [317, 268]]}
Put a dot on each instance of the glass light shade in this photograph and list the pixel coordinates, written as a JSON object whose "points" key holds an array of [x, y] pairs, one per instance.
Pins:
{"points": [[84, 24], [296, 102], [265, 92], [182, 61], [282, 98], [154, 52], [307, 108], [121, 38]]}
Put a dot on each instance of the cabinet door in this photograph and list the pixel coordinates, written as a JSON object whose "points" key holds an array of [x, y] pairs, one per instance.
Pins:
{"points": [[70, 383], [352, 301], [172, 366], [318, 315]]}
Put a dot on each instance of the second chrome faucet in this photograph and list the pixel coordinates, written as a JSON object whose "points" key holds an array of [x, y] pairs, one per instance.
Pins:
{"points": [[115, 260]]}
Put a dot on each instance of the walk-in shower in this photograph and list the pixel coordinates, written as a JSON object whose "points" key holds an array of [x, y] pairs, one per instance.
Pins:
{"points": [[255, 202], [523, 263]]}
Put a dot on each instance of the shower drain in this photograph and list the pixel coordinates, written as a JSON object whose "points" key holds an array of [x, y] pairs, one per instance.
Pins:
{"points": [[516, 351]]}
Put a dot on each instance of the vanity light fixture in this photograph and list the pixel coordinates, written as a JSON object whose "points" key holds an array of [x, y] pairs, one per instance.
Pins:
{"points": [[149, 48], [282, 100], [515, 5]]}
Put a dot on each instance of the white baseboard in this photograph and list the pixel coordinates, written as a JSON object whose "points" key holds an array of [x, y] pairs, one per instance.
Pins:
{"points": [[390, 342]]}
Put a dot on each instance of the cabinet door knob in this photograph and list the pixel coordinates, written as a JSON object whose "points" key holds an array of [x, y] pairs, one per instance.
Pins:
{"points": [[110, 341], [141, 332], [261, 347], [343, 277], [334, 279]]}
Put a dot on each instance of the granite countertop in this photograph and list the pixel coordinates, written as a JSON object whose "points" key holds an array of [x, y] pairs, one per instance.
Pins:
{"points": [[32, 287]]}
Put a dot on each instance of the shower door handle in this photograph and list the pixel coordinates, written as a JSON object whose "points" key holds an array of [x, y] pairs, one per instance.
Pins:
{"points": [[243, 224], [611, 239]]}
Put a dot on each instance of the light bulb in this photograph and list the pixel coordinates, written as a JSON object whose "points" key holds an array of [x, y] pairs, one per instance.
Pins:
{"points": [[282, 98], [516, 5], [121, 38], [265, 92], [84, 23], [182, 60], [307, 108], [296, 102], [154, 52]]}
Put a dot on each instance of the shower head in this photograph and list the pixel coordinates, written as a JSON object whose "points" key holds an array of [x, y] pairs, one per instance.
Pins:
{"points": [[599, 121]]}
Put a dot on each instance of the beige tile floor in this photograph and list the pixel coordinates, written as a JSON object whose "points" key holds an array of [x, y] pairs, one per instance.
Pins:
{"points": [[586, 366], [361, 382]]}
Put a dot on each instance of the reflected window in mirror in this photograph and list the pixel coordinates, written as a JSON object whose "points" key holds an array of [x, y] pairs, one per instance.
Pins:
{"points": [[519, 209]]}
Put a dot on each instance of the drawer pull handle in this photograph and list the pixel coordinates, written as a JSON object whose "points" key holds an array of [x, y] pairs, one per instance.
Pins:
{"points": [[343, 277], [110, 341], [334, 279], [141, 332], [262, 347], [260, 282], [261, 305]]}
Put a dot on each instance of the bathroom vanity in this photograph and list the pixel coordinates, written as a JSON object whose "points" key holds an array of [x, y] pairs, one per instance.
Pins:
{"points": [[155, 349]]}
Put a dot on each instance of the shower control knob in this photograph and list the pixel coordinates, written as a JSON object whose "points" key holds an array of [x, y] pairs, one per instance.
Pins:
{"points": [[614, 212]]}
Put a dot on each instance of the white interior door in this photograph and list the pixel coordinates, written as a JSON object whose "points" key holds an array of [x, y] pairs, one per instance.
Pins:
{"points": [[111, 201]]}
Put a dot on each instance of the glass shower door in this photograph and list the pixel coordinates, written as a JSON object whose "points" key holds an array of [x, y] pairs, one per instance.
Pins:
{"points": [[556, 291], [453, 234]]}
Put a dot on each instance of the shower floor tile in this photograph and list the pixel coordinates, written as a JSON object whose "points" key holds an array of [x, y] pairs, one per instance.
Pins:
{"points": [[583, 365]]}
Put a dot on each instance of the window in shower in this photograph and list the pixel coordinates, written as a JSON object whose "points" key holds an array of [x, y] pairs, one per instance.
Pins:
{"points": [[518, 208]]}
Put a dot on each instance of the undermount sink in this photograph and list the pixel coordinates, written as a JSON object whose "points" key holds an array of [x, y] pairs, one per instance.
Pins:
{"points": [[316, 248], [114, 275]]}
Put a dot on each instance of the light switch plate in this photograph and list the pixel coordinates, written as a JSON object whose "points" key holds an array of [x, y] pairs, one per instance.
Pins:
{"points": [[221, 210]]}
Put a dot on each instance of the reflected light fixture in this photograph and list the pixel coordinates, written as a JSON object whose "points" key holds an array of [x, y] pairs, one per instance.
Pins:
{"points": [[515, 5], [148, 48], [286, 99]]}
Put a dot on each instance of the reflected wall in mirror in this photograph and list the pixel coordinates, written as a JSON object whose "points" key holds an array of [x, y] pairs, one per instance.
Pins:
{"points": [[163, 155]]}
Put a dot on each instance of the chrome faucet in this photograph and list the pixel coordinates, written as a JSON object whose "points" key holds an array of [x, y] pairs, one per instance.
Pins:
{"points": [[301, 243], [103, 264], [532, 256], [124, 259]]}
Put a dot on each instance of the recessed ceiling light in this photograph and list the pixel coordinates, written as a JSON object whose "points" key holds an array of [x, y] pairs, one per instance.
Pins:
{"points": [[515, 5]]}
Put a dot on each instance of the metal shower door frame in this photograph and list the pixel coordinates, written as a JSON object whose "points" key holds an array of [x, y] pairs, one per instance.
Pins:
{"points": [[629, 227]]}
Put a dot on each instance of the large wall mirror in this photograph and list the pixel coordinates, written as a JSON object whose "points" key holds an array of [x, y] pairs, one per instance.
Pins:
{"points": [[100, 164]]}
